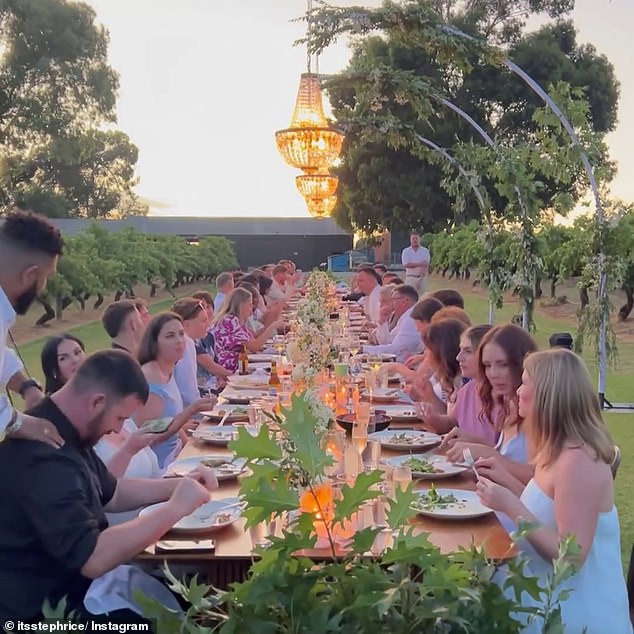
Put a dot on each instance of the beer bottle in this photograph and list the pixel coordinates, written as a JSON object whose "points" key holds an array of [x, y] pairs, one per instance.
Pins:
{"points": [[243, 361], [274, 379]]}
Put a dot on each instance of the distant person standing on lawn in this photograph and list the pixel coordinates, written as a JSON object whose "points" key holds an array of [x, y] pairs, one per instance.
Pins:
{"points": [[415, 259]]}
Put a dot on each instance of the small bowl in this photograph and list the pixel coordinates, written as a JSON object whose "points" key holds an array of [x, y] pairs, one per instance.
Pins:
{"points": [[378, 422]]}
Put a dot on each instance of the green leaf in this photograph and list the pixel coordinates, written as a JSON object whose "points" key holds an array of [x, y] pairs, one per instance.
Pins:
{"points": [[268, 498], [400, 507], [257, 447], [301, 427], [364, 539], [353, 497]]}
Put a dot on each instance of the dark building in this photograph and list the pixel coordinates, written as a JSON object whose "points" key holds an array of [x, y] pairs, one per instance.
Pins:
{"points": [[306, 241]]}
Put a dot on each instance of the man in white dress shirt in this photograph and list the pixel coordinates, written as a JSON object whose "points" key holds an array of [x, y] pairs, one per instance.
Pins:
{"points": [[404, 340], [415, 259], [29, 249], [369, 283]]}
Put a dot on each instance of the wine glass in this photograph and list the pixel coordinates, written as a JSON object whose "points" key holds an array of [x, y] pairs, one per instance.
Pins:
{"points": [[401, 477], [360, 437]]}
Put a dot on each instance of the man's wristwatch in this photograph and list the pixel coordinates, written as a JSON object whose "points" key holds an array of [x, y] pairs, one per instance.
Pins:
{"points": [[29, 383], [15, 425]]}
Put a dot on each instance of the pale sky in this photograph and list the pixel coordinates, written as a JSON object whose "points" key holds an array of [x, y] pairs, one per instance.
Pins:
{"points": [[206, 83]]}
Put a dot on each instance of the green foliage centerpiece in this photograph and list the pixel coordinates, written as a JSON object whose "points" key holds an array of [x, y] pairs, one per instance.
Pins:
{"points": [[402, 584]]}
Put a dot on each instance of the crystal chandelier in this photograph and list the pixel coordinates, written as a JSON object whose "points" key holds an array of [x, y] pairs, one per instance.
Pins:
{"points": [[312, 145]]}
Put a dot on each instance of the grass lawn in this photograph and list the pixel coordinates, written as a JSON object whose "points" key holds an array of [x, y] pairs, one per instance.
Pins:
{"points": [[619, 383]]}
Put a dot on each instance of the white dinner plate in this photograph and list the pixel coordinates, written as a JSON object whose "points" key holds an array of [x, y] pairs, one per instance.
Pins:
{"points": [[236, 413], [382, 395], [208, 517], [256, 381], [443, 468], [406, 439], [262, 358], [242, 396], [399, 412], [227, 471], [466, 506], [220, 436]]}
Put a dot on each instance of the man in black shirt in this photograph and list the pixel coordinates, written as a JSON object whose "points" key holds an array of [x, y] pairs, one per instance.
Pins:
{"points": [[54, 536]]}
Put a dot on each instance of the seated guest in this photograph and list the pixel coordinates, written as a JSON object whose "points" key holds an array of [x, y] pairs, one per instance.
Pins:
{"points": [[571, 493], [267, 269], [381, 269], [231, 332], [452, 312], [54, 537], [123, 323], [369, 283], [404, 340], [449, 297], [144, 311], [61, 356], [387, 317], [253, 323], [211, 375], [162, 346], [195, 324], [465, 419], [282, 288], [224, 286], [422, 315], [392, 278], [500, 358]]}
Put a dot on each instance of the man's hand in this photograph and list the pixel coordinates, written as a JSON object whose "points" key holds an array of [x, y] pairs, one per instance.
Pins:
{"points": [[188, 496], [205, 476], [38, 429]]}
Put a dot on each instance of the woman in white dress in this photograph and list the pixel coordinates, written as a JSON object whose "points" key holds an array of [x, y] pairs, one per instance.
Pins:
{"points": [[572, 492]]}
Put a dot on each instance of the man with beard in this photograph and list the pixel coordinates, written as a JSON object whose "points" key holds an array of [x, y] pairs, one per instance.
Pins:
{"points": [[54, 536], [29, 249]]}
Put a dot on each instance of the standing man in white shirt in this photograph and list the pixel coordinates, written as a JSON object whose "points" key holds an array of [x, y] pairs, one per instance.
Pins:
{"points": [[29, 249], [415, 259]]}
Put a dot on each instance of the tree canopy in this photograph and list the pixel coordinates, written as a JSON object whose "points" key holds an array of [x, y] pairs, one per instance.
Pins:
{"points": [[388, 178], [58, 151]]}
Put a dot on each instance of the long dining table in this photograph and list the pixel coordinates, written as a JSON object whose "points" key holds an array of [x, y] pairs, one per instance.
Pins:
{"points": [[233, 554]]}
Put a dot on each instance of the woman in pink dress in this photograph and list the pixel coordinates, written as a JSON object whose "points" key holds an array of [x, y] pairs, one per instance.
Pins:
{"points": [[230, 329]]}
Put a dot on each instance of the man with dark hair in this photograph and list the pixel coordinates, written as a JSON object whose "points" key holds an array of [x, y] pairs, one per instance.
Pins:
{"points": [[403, 340], [54, 536], [369, 283], [29, 249], [449, 297], [381, 269], [122, 322]]}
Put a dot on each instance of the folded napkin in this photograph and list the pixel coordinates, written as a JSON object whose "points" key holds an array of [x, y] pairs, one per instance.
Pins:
{"points": [[114, 591]]}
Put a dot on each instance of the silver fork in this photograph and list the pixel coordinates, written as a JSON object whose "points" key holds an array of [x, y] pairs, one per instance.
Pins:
{"points": [[469, 461]]}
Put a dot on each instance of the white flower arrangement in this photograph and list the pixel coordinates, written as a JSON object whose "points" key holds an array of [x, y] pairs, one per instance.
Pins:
{"points": [[321, 411]]}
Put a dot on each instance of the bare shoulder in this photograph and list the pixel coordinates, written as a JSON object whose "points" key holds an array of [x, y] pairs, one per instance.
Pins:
{"points": [[580, 463]]}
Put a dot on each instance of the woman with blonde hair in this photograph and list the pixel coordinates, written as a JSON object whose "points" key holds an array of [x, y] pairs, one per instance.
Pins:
{"points": [[571, 493], [230, 329]]}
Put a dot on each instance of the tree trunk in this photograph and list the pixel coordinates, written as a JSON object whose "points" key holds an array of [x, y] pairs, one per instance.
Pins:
{"points": [[626, 309], [48, 315], [153, 289], [100, 300], [538, 288], [59, 307], [117, 295], [583, 296], [553, 287]]}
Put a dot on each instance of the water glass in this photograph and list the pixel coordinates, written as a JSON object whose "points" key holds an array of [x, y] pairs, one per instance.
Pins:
{"points": [[401, 477], [360, 436], [371, 455], [362, 413], [259, 534]]}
